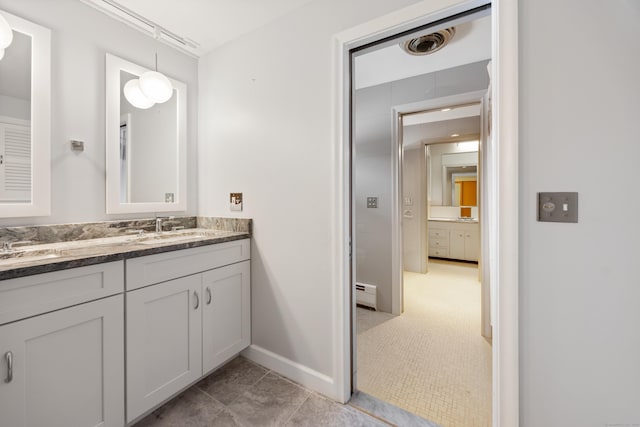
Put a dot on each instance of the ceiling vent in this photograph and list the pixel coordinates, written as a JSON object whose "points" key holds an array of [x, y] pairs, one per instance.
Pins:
{"points": [[429, 43]]}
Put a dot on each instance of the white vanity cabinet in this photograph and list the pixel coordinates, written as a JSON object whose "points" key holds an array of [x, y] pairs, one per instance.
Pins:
{"points": [[188, 311], [226, 313], [62, 348], [164, 331], [454, 240]]}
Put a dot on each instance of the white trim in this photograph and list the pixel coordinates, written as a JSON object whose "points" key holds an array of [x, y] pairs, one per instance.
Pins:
{"points": [[505, 72], [40, 204], [505, 108], [301, 374], [397, 261]]}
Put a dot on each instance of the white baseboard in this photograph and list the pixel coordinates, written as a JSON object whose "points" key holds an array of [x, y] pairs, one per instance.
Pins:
{"points": [[301, 374]]}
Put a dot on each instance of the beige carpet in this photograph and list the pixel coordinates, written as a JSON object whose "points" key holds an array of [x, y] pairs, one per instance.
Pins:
{"points": [[432, 360]]}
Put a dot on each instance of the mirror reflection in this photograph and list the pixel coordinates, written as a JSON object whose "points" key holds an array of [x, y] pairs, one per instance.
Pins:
{"points": [[453, 176], [15, 121], [145, 144], [148, 142]]}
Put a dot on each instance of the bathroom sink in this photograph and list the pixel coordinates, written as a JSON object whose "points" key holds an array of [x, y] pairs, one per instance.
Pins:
{"points": [[179, 236]]}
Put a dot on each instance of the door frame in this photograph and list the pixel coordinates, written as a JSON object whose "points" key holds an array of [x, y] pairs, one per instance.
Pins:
{"points": [[397, 283], [504, 71]]}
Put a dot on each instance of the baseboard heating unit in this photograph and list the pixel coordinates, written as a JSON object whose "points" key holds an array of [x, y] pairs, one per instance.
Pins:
{"points": [[366, 295]]}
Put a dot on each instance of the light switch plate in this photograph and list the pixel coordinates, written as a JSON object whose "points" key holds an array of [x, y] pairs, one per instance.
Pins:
{"points": [[235, 201], [558, 207], [372, 202]]}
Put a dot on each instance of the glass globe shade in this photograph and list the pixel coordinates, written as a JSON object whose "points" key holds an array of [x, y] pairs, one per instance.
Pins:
{"points": [[6, 34], [156, 86], [135, 96], [1, 54]]}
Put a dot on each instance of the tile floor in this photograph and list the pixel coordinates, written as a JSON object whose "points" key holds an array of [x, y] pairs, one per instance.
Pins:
{"points": [[245, 394], [431, 360]]}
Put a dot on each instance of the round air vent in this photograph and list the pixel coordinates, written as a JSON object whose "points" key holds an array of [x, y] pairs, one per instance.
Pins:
{"points": [[424, 45]]}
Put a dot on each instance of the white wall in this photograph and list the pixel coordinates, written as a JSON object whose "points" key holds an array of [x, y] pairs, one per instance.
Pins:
{"points": [[265, 130], [579, 286], [80, 38], [372, 169]]}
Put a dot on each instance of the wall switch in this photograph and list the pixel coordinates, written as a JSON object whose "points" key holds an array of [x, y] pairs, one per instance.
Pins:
{"points": [[372, 202], [558, 207], [235, 201]]}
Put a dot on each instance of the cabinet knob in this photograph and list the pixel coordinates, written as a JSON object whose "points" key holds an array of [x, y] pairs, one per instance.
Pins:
{"points": [[197, 300], [209, 296], [8, 356]]}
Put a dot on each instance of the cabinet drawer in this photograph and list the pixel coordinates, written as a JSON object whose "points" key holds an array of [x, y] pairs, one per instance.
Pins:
{"points": [[28, 296], [438, 233], [438, 242], [158, 268], [439, 252]]}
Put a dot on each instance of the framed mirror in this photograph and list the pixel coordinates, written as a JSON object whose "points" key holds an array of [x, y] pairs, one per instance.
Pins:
{"points": [[460, 178], [146, 147], [453, 174], [25, 121]]}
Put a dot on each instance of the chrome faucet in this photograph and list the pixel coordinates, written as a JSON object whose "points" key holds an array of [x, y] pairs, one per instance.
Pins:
{"points": [[159, 220]]}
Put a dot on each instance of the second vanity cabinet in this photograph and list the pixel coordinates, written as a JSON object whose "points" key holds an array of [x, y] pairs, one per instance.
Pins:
{"points": [[454, 240], [187, 313]]}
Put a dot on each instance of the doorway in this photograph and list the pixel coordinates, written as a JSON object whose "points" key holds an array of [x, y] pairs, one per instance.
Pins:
{"points": [[430, 359], [505, 376]]}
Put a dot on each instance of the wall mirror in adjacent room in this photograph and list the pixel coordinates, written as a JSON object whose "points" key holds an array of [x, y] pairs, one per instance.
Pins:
{"points": [[25, 119], [460, 178], [146, 146]]}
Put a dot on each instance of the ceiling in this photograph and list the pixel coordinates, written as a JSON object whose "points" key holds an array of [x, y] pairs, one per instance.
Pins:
{"points": [[468, 128], [210, 23], [471, 43], [439, 125]]}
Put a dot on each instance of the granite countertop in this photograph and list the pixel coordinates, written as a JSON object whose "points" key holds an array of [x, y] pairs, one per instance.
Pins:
{"points": [[44, 258], [462, 221]]}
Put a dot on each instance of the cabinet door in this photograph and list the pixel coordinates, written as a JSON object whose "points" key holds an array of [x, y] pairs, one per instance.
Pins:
{"points": [[456, 244], [471, 245], [164, 343], [226, 315], [68, 367]]}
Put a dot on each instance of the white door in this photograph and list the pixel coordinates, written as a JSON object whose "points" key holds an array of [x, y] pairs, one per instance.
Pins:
{"points": [[164, 343], [67, 367], [226, 314]]}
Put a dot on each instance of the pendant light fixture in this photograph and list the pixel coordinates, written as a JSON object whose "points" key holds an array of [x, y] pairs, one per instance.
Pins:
{"points": [[6, 35], [134, 95], [151, 88], [156, 86]]}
